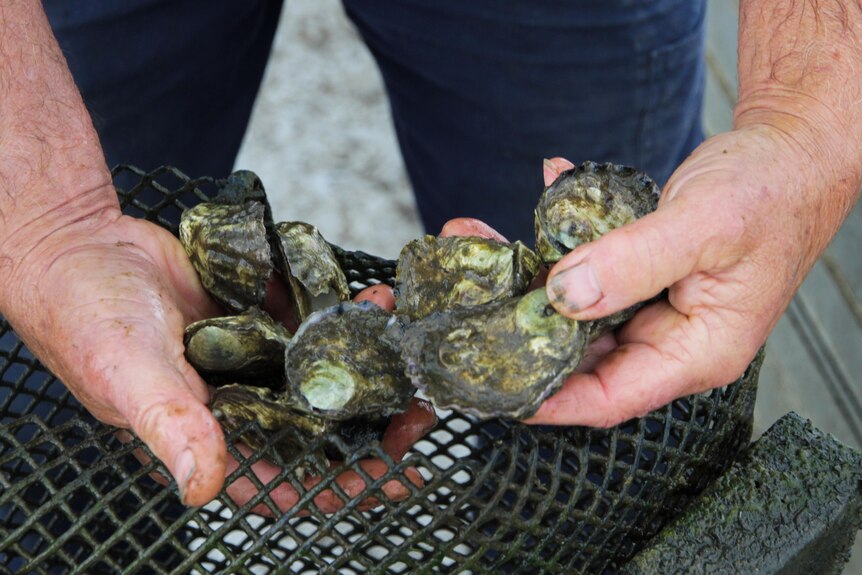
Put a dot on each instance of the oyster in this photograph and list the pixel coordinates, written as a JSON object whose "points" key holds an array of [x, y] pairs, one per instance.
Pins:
{"points": [[235, 406], [228, 248], [310, 267], [339, 366], [435, 274], [500, 359], [264, 418], [250, 344], [587, 202], [241, 187]]}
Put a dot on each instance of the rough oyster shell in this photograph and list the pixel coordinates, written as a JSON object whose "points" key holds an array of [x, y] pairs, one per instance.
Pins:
{"points": [[228, 248], [338, 364], [244, 186], [588, 201], [501, 359], [237, 405], [435, 274], [308, 263], [245, 345]]}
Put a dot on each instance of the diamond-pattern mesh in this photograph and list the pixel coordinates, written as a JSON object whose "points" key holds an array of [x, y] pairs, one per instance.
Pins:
{"points": [[498, 496]]}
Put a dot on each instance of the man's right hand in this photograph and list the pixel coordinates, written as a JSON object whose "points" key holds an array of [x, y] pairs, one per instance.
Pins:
{"points": [[102, 299], [103, 303]]}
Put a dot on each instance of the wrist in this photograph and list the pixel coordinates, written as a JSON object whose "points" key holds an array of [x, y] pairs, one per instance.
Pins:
{"points": [[822, 147], [34, 239]]}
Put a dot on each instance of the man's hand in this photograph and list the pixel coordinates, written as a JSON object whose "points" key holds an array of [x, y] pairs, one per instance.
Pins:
{"points": [[732, 239], [103, 304], [739, 225], [104, 307], [103, 299]]}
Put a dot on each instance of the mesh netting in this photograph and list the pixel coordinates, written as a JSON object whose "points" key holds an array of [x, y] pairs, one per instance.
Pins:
{"points": [[498, 496]]}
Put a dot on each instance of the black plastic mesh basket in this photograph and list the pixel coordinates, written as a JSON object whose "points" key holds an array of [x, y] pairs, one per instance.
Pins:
{"points": [[498, 496]]}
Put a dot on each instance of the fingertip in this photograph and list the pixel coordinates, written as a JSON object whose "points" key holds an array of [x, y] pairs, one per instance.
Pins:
{"points": [[574, 289], [407, 428], [182, 433], [470, 227], [380, 295], [414, 476], [202, 480], [552, 168]]}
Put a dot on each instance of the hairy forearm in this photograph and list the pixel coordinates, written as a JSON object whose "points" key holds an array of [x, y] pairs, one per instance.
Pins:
{"points": [[52, 171], [800, 72]]}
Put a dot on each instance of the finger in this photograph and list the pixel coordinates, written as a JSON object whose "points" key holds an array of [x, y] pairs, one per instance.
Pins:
{"points": [[283, 495], [286, 497], [380, 295], [407, 428], [662, 355], [637, 261], [241, 490], [540, 280], [597, 351], [552, 168], [141, 455], [278, 303], [470, 227], [355, 486], [165, 406]]}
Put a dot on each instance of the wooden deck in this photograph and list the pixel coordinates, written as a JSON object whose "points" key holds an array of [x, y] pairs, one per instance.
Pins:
{"points": [[814, 357]]}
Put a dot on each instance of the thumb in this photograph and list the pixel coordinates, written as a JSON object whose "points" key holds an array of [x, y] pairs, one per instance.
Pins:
{"points": [[637, 261], [165, 407]]}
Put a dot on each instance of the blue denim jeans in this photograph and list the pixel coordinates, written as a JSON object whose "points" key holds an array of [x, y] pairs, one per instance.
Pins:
{"points": [[480, 91]]}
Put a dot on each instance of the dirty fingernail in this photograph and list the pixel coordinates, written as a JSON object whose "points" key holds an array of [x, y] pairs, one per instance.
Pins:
{"points": [[575, 288], [185, 467]]}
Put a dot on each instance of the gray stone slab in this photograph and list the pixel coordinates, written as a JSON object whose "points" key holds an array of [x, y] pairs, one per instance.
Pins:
{"points": [[790, 505]]}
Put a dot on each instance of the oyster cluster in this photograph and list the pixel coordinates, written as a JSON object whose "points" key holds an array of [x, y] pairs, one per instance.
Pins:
{"points": [[467, 330]]}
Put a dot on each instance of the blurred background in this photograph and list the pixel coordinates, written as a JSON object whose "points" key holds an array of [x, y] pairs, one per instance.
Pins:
{"points": [[322, 141]]}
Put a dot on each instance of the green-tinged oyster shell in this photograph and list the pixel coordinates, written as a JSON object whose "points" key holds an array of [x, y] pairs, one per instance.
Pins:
{"points": [[339, 365], [228, 248], [587, 202], [245, 345], [435, 274], [237, 405], [308, 263], [498, 360]]}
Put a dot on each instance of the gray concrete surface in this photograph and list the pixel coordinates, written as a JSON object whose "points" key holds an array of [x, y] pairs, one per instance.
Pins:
{"points": [[321, 137]]}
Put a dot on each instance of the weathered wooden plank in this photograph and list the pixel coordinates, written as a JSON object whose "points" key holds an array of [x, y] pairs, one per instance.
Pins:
{"points": [[844, 262], [791, 381], [838, 341]]}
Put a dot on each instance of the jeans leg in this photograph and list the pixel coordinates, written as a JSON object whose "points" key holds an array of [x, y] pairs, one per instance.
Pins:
{"points": [[481, 91], [167, 81]]}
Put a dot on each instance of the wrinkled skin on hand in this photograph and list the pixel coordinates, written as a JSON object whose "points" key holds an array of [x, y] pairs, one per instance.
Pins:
{"points": [[736, 231], [103, 303]]}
